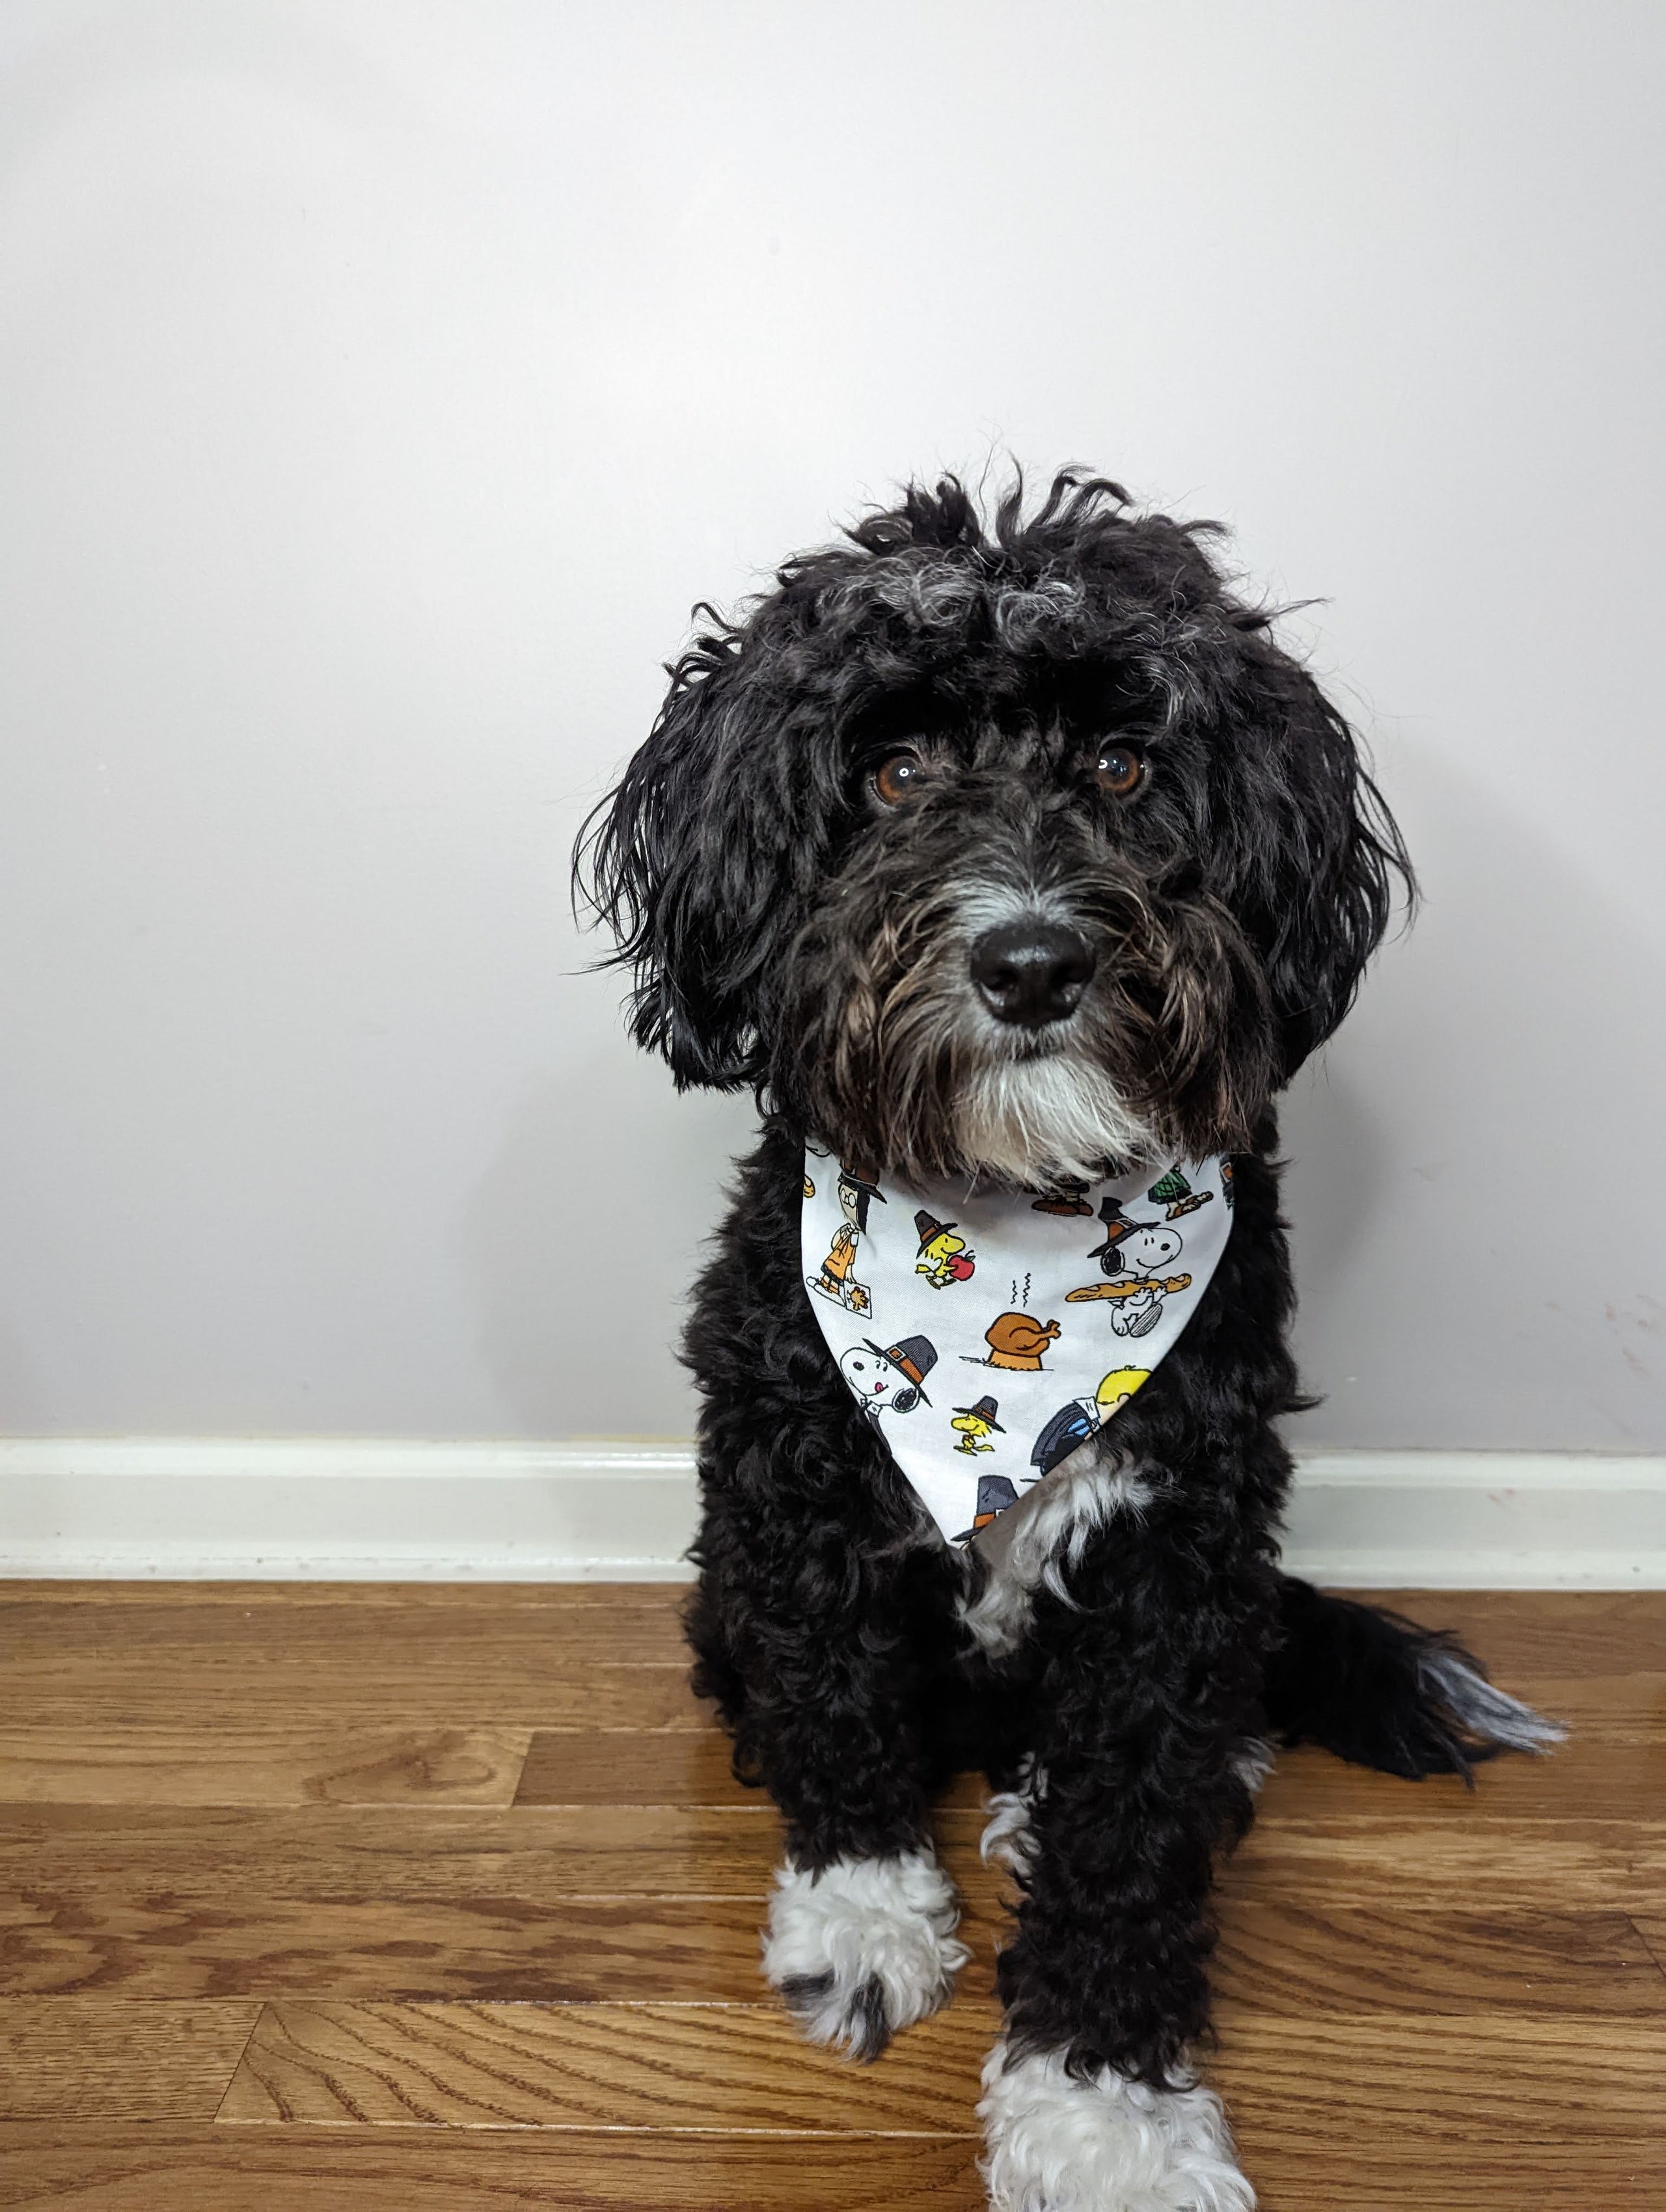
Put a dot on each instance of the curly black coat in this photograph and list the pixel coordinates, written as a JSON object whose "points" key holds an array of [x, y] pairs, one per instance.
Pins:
{"points": [[793, 929]]}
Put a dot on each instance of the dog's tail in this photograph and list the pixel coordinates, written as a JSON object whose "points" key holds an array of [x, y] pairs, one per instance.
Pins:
{"points": [[1377, 1689]]}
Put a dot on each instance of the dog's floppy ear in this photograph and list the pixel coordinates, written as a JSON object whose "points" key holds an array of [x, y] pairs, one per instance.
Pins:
{"points": [[1317, 853], [685, 861]]}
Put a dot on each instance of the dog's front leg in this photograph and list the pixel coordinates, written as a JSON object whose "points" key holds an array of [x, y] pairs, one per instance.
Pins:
{"points": [[807, 1633], [1090, 2104]]}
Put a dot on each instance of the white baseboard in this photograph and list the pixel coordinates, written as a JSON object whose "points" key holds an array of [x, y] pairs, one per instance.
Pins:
{"points": [[314, 1511]]}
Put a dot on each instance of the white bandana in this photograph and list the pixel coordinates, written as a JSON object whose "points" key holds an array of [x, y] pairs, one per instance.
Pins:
{"points": [[989, 1333]]}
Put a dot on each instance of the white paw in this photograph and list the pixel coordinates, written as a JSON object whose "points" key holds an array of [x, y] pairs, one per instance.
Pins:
{"points": [[864, 1948], [1055, 2144]]}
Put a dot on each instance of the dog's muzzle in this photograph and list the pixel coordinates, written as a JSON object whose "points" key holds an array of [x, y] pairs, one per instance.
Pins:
{"points": [[1031, 972]]}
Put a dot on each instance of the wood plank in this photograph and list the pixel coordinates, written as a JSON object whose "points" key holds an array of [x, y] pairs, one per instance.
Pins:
{"points": [[644, 2066], [76, 2168], [160, 2168], [1357, 2163], [542, 1854], [689, 1767], [1277, 1957], [133, 2061], [311, 1695], [64, 1764], [484, 1601], [520, 1664], [1551, 1633], [1613, 1709], [1289, 1959], [586, 1766], [434, 1653], [1562, 1631], [1437, 2078], [1595, 1780], [1422, 1866], [1652, 1933], [504, 1948], [358, 1852], [591, 1766]]}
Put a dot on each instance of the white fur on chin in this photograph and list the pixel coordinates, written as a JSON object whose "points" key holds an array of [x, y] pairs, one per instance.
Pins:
{"points": [[1026, 1120], [1056, 2144], [864, 1948]]}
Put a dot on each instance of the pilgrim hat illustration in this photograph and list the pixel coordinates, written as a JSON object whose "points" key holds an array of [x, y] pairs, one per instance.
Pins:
{"points": [[994, 1494], [985, 1410], [927, 1226], [1117, 1226], [862, 1179], [1070, 1197], [913, 1356]]}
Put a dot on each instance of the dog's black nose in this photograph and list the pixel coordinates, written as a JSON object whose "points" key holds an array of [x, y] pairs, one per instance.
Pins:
{"points": [[1032, 971]]}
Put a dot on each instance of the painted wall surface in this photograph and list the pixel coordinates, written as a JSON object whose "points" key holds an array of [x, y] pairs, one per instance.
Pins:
{"points": [[379, 387]]}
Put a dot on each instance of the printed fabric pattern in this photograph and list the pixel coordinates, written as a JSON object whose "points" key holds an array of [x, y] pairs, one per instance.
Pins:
{"points": [[985, 1335]]}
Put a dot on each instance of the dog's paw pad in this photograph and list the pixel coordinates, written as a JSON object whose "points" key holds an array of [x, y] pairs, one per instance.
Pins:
{"points": [[1057, 2144], [863, 1949]]}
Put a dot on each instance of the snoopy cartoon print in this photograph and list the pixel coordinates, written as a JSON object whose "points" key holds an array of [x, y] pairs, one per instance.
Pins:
{"points": [[1131, 1255], [889, 1378], [838, 1279], [943, 1257]]}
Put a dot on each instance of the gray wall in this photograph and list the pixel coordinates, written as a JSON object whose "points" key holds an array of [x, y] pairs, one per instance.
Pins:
{"points": [[379, 385]]}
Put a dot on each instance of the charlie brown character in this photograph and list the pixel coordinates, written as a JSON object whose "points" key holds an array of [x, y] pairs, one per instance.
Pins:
{"points": [[838, 1279], [1082, 1418]]}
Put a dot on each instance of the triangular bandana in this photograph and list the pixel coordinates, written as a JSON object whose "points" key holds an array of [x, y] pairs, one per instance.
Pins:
{"points": [[988, 1334]]}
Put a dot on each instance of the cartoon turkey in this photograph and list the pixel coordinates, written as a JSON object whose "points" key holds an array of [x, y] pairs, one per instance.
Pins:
{"points": [[1019, 1339]]}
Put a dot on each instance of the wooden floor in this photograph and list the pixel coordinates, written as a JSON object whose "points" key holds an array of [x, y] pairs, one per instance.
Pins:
{"points": [[418, 1898]]}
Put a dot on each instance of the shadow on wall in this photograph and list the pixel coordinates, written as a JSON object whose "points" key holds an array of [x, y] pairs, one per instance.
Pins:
{"points": [[583, 1239], [1478, 1180]]}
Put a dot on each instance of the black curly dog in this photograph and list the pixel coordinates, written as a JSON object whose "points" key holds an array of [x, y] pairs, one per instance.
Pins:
{"points": [[1016, 850]]}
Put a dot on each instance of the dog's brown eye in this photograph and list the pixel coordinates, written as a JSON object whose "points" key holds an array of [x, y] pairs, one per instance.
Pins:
{"points": [[898, 779], [1120, 770]]}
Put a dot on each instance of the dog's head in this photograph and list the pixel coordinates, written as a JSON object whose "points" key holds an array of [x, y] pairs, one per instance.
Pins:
{"points": [[1019, 849]]}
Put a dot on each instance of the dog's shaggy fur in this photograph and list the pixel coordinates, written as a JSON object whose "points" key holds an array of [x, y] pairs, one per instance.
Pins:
{"points": [[802, 923]]}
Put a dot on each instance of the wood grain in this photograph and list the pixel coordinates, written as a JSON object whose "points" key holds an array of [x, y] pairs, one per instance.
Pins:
{"points": [[1286, 1959], [72, 2168], [447, 1898], [530, 1665], [60, 1765], [592, 1766], [122, 2060], [354, 1851], [1423, 1866], [702, 1948], [1552, 1632], [576, 1766], [380, 1691], [632, 2066], [1478, 2078], [1462, 2079], [1585, 1774]]}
